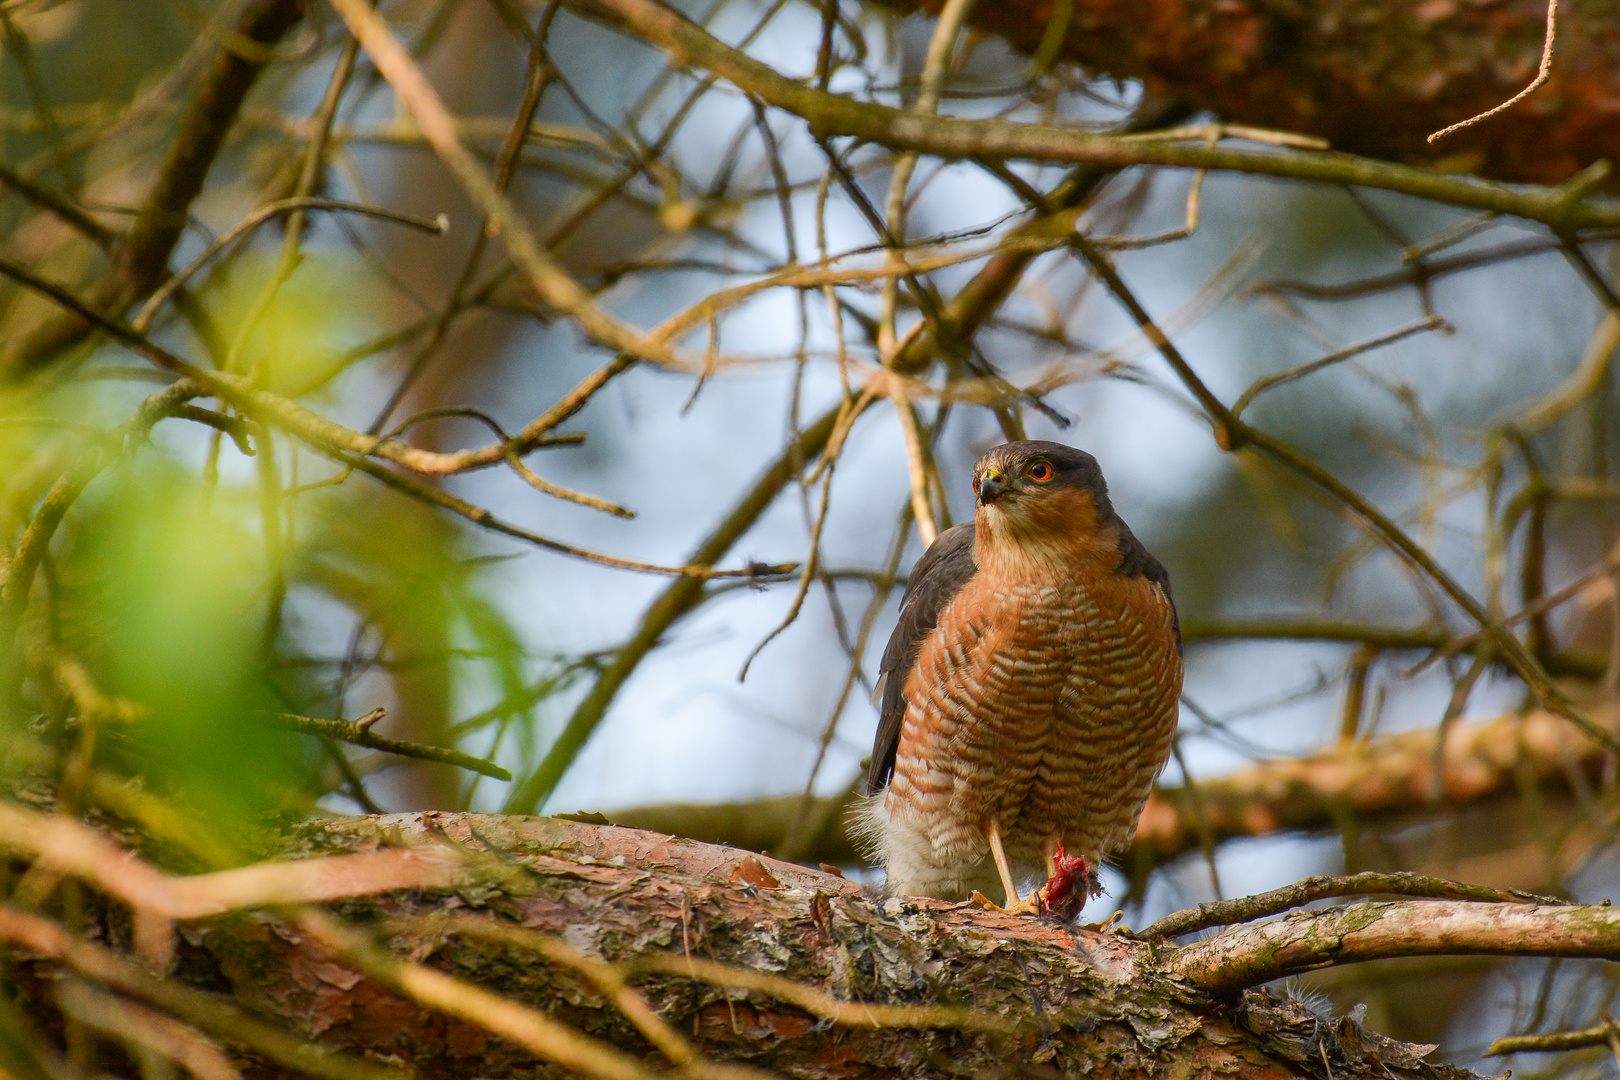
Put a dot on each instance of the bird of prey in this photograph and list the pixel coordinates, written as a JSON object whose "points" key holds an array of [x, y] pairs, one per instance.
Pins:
{"points": [[1030, 690]]}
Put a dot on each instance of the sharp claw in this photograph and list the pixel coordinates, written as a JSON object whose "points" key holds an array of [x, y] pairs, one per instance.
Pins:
{"points": [[1029, 905]]}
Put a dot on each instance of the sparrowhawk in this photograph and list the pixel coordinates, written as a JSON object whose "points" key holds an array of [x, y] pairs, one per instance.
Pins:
{"points": [[1030, 691]]}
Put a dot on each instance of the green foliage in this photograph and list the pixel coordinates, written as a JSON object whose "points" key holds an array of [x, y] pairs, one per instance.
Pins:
{"points": [[299, 335], [165, 645], [163, 594]]}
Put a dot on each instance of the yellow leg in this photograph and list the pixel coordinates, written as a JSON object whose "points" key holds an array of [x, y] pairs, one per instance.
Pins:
{"points": [[1030, 905], [993, 831]]}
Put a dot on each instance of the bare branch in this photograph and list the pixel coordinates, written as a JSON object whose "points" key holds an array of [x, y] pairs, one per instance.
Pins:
{"points": [[359, 733], [143, 319], [346, 445], [1554, 1042], [1308, 890], [674, 602], [103, 237], [1380, 930], [1260, 386]]}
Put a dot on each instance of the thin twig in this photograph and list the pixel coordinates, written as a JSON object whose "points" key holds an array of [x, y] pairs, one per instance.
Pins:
{"points": [[1556, 1041], [820, 1003], [358, 733], [533, 1030], [807, 574], [679, 598], [1308, 890], [438, 227], [64, 208], [1261, 385], [1542, 74]]}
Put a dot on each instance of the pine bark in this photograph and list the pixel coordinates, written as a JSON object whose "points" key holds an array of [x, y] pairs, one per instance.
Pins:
{"points": [[1081, 1002], [1374, 77]]}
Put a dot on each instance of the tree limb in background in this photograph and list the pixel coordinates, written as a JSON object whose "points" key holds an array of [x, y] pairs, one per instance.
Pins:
{"points": [[1378, 780], [1563, 208], [1373, 80]]}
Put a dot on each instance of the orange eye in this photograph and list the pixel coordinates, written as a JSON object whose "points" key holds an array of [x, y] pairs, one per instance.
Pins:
{"points": [[975, 485], [1041, 471]]}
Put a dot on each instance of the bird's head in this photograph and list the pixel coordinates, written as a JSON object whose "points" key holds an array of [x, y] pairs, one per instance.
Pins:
{"points": [[1042, 500]]}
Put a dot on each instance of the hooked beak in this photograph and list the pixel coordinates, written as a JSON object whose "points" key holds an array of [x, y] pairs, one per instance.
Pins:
{"points": [[991, 488]]}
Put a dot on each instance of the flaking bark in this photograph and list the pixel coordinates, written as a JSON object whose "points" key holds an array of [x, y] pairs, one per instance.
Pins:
{"points": [[1081, 1003], [1374, 78]]}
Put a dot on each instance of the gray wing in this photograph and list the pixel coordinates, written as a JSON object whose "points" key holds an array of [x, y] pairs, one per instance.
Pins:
{"points": [[939, 575]]}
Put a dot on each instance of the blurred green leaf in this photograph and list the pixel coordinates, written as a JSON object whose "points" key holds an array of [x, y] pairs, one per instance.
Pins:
{"points": [[301, 337], [163, 597]]}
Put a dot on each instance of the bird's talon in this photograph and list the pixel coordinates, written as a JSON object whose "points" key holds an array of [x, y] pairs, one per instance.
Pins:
{"points": [[1029, 905]]}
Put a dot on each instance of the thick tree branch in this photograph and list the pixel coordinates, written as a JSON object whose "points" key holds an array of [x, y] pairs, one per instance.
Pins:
{"points": [[591, 947], [826, 976], [224, 1019]]}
